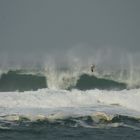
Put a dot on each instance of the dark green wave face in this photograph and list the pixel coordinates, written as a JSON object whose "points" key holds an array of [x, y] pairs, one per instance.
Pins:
{"points": [[13, 81], [86, 82]]}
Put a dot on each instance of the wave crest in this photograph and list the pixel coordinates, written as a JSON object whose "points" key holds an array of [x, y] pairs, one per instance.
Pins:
{"points": [[94, 120], [22, 81]]}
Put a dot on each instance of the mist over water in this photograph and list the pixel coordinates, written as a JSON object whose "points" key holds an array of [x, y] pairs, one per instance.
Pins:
{"points": [[115, 64], [47, 89]]}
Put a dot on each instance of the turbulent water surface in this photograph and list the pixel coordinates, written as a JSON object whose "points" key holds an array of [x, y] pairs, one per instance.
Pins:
{"points": [[67, 106]]}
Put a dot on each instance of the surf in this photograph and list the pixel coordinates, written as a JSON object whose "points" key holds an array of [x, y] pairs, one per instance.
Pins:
{"points": [[24, 80], [91, 108], [46, 98]]}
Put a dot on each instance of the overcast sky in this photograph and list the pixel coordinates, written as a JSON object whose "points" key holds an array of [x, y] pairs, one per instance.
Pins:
{"points": [[34, 28]]}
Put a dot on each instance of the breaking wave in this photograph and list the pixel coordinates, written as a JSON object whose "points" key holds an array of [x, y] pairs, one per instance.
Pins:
{"points": [[98, 120], [16, 80], [25, 80], [86, 82], [75, 108]]}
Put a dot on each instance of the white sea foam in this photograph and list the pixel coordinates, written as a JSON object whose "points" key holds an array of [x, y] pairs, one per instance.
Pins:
{"points": [[75, 102]]}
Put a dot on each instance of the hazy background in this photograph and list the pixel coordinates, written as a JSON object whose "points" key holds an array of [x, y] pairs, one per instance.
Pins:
{"points": [[105, 32]]}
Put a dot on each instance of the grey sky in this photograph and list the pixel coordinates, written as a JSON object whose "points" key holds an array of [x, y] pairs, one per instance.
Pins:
{"points": [[38, 27]]}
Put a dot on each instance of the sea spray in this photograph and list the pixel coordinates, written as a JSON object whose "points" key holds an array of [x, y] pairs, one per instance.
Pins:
{"points": [[63, 78]]}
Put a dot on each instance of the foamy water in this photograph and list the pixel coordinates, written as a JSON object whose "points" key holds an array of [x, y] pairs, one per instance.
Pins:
{"points": [[75, 102]]}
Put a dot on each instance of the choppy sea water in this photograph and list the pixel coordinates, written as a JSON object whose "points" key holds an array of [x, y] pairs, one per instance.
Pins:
{"points": [[92, 108]]}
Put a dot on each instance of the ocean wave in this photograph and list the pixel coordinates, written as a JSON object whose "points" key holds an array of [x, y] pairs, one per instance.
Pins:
{"points": [[95, 120], [22, 80], [17, 80], [75, 108], [86, 82], [32, 101]]}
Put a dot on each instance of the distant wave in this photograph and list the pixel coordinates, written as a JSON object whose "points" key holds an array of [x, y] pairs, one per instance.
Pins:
{"points": [[13, 80], [86, 82], [23, 81]]}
